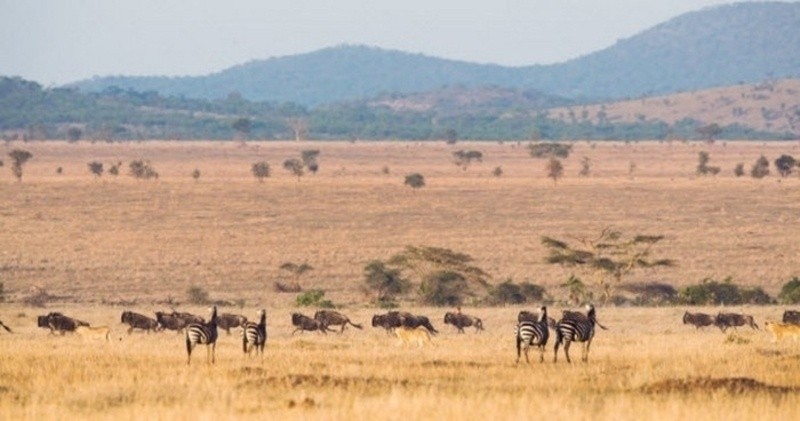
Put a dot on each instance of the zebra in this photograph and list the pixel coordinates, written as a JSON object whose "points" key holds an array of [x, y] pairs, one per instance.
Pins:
{"points": [[532, 333], [255, 334], [202, 333], [576, 328]]}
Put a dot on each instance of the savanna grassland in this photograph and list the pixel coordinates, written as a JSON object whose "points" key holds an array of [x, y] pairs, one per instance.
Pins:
{"points": [[91, 242]]}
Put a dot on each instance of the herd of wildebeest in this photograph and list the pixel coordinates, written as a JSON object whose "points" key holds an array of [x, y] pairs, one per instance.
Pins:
{"points": [[532, 329]]}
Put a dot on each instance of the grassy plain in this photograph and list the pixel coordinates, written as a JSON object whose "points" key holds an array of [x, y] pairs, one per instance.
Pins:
{"points": [[112, 239]]}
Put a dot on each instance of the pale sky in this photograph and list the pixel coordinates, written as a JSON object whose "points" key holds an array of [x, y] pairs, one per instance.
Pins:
{"points": [[59, 41]]}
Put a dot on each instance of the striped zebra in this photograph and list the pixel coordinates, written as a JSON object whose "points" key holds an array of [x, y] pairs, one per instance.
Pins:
{"points": [[202, 334], [576, 328], [532, 333], [254, 335]]}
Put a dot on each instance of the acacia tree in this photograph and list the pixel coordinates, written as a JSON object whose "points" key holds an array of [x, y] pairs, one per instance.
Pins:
{"points": [[555, 169], [464, 158], [260, 170], [96, 168], [19, 157], [610, 256], [294, 166], [296, 271], [785, 164], [386, 282]]}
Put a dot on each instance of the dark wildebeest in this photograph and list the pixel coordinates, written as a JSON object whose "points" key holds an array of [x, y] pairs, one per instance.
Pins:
{"points": [[302, 323], [139, 321], [726, 320], [527, 316], [460, 321], [698, 319], [189, 317], [170, 321], [791, 316], [58, 322], [227, 321], [395, 319], [333, 318]]}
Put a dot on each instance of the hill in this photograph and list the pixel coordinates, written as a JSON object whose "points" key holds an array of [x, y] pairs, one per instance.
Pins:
{"points": [[726, 45]]}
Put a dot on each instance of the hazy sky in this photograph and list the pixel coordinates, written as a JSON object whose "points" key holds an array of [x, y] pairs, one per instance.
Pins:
{"points": [[59, 41]]}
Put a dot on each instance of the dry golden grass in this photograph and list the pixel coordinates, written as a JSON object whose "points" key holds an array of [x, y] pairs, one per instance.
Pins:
{"points": [[120, 239], [646, 366]]}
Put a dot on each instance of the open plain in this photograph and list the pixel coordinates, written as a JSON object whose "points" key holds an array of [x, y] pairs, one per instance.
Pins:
{"points": [[93, 243]]}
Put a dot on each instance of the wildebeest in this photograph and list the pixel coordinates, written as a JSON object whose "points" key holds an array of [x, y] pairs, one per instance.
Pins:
{"points": [[58, 322], [698, 319], [725, 320], [302, 323], [408, 335], [460, 321], [227, 321], [791, 316], [177, 321], [395, 319], [139, 321], [779, 330], [333, 318], [527, 316]]}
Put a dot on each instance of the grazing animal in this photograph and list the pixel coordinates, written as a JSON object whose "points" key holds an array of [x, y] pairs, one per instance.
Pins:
{"points": [[58, 322], [3, 325], [333, 318], [93, 332], [417, 335], [188, 317], [139, 321], [791, 316], [524, 316], [302, 323], [254, 335], [574, 328], [227, 321], [170, 321], [725, 320], [532, 333], [779, 330], [460, 321], [698, 319], [395, 319], [203, 334]]}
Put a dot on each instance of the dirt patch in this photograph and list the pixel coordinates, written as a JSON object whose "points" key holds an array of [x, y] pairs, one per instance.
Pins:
{"points": [[732, 385]]}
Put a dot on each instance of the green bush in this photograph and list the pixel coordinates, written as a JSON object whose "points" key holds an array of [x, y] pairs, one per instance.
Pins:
{"points": [[790, 292], [711, 292], [313, 298], [647, 294], [508, 292], [444, 288]]}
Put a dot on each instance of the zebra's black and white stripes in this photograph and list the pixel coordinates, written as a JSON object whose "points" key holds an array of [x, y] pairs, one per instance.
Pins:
{"points": [[532, 333], [254, 335], [202, 334], [576, 328]]}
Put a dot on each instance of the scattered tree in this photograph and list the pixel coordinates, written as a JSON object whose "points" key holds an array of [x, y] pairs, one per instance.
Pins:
{"points": [[577, 292], [386, 282], [309, 158], [19, 158], [142, 170], [760, 168], [555, 169], [294, 166], [790, 292], [114, 170], [549, 150], [296, 271], [415, 181], [444, 288], [609, 256], [785, 165], [260, 170], [739, 169], [464, 158], [96, 168], [585, 167], [702, 166], [299, 127], [196, 174], [497, 172], [508, 292]]}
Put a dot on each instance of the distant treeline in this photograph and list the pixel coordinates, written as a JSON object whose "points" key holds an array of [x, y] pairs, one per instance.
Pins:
{"points": [[28, 111]]}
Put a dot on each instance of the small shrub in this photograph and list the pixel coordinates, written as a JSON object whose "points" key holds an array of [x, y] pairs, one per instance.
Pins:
{"points": [[38, 297], [549, 150], [415, 180], [443, 288], [196, 174], [498, 171], [197, 295], [260, 170], [761, 168], [790, 292], [739, 170], [313, 298], [650, 294], [711, 292], [508, 292], [96, 168], [141, 169]]}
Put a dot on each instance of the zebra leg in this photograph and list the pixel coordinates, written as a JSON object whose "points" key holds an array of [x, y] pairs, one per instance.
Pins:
{"points": [[519, 348], [213, 352], [566, 350], [541, 354], [586, 351], [188, 350]]}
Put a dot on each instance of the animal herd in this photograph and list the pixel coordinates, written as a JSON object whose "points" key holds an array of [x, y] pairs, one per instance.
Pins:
{"points": [[533, 330]]}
